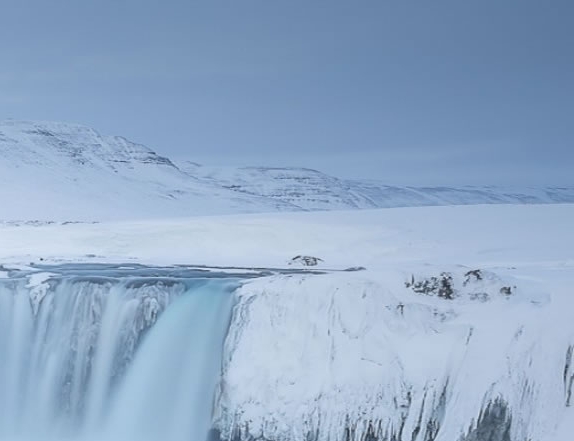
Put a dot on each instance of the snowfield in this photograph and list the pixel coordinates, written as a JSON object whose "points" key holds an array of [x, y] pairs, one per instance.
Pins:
{"points": [[459, 328], [483, 235]]}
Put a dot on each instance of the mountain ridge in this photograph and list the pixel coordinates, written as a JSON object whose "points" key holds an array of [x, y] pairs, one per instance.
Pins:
{"points": [[312, 189], [64, 171]]}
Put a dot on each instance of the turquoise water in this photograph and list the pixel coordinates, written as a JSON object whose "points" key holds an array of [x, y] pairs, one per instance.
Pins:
{"points": [[114, 355]]}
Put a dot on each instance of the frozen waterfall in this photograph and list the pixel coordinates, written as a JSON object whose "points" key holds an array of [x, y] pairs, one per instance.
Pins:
{"points": [[98, 355]]}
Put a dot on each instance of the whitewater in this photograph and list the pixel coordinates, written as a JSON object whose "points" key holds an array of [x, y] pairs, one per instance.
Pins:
{"points": [[114, 354]]}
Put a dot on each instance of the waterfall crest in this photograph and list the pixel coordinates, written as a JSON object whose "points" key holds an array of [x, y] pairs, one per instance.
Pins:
{"points": [[111, 358]]}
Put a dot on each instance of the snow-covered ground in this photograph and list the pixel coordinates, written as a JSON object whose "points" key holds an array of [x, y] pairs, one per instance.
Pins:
{"points": [[502, 235], [387, 351]]}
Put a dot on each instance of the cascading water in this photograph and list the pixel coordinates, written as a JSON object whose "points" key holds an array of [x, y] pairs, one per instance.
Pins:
{"points": [[111, 358]]}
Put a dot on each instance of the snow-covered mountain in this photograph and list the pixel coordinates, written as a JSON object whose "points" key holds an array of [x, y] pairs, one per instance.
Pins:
{"points": [[62, 171], [313, 190]]}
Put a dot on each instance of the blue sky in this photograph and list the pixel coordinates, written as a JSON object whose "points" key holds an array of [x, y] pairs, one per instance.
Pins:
{"points": [[441, 92]]}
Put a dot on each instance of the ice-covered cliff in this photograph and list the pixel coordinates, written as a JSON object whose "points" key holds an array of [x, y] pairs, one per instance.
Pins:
{"points": [[346, 357], [418, 354]]}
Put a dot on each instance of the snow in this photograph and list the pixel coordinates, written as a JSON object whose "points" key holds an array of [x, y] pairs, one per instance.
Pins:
{"points": [[489, 235], [364, 351], [64, 172], [313, 190], [53, 172], [319, 354], [378, 351]]}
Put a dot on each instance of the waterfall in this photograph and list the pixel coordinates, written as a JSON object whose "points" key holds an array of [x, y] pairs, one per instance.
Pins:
{"points": [[111, 358]]}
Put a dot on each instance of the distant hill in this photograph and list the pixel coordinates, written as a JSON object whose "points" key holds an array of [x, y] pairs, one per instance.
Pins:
{"points": [[61, 171], [313, 190]]}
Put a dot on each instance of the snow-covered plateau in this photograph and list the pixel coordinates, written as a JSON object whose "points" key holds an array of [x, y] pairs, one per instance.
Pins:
{"points": [[455, 323]]}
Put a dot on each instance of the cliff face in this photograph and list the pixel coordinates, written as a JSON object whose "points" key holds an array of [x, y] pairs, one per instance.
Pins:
{"points": [[338, 357]]}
